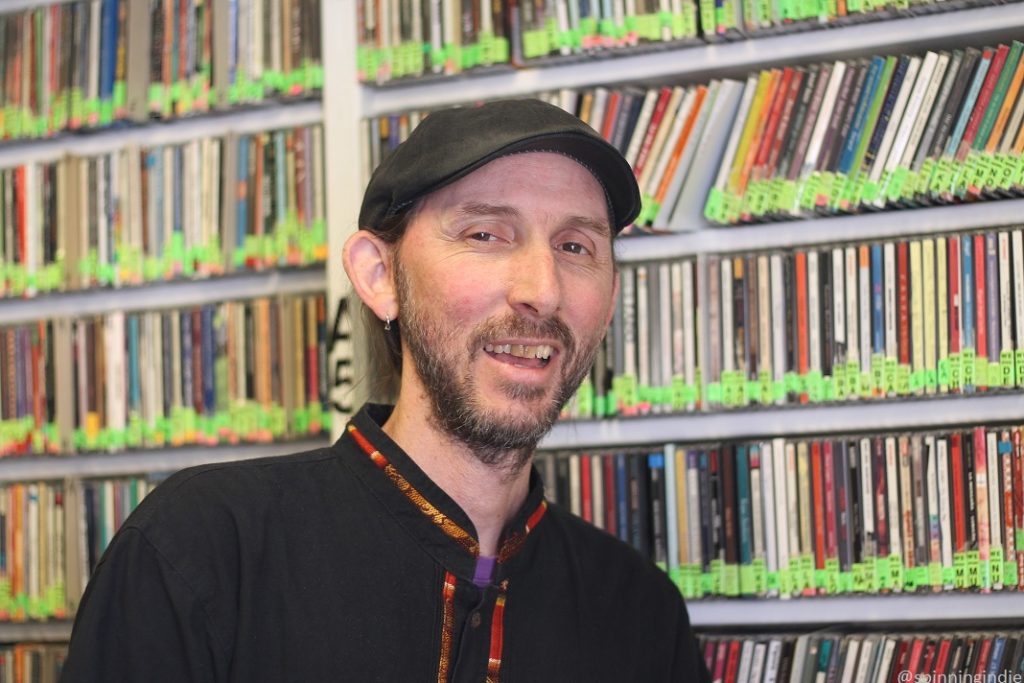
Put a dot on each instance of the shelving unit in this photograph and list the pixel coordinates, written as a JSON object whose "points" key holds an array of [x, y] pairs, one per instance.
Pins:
{"points": [[982, 25], [882, 415], [964, 27], [799, 614], [345, 103], [876, 611], [174, 294], [36, 632], [146, 461], [883, 225], [250, 119], [245, 119]]}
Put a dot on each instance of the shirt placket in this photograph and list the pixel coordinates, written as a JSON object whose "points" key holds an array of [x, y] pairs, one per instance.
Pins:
{"points": [[480, 646]]}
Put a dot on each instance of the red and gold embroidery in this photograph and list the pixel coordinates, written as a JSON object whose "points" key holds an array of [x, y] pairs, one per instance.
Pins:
{"points": [[497, 639], [511, 545], [449, 527], [447, 622]]}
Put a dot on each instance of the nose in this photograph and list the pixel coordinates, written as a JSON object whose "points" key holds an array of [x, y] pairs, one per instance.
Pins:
{"points": [[535, 286]]}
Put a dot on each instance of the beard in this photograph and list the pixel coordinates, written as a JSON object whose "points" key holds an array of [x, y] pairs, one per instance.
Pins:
{"points": [[505, 439]]}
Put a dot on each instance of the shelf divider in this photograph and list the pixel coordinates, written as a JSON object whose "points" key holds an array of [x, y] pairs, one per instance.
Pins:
{"points": [[952, 609], [145, 461], [249, 119], [836, 418], [882, 225], [162, 295], [35, 632]]}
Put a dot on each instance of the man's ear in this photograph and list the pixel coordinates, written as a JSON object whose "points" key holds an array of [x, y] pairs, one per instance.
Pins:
{"points": [[368, 260]]}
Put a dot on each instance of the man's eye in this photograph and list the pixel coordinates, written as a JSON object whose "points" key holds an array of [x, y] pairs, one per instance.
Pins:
{"points": [[482, 236], [573, 248]]}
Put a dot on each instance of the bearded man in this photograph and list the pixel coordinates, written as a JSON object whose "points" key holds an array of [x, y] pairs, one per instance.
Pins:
{"points": [[419, 547]]}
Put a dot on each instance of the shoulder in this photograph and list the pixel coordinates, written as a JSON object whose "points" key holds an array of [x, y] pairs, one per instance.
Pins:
{"points": [[221, 513], [605, 561], [203, 489], [631, 614]]}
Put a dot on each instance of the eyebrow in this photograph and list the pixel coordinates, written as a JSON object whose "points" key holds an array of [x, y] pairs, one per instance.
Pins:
{"points": [[483, 209]]}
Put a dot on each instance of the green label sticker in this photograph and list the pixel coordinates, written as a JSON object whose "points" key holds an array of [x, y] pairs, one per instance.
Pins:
{"points": [[895, 572], [931, 574], [714, 393], [955, 373], [1006, 368], [1007, 171], [813, 383], [891, 372], [1019, 358], [831, 585], [995, 562], [854, 378], [981, 368], [931, 381], [714, 206], [973, 564], [760, 574], [883, 571], [678, 397], [948, 576], [730, 580], [765, 387], [747, 580], [917, 381], [943, 374], [968, 366], [807, 571], [630, 392], [715, 573], [903, 379], [878, 373], [960, 571], [786, 583]]}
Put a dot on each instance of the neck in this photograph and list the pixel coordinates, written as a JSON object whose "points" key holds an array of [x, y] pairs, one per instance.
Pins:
{"points": [[489, 494]]}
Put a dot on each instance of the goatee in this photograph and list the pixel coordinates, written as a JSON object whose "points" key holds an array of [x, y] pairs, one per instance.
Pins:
{"points": [[502, 439]]}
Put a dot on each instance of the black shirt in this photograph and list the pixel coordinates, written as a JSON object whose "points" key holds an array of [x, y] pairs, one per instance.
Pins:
{"points": [[349, 564]]}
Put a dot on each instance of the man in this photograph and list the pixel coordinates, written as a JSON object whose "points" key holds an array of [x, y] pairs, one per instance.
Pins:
{"points": [[419, 547]]}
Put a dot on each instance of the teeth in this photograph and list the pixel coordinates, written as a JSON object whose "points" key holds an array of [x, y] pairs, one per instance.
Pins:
{"points": [[521, 350]]}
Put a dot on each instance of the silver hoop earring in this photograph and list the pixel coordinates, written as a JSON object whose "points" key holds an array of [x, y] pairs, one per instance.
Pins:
{"points": [[387, 323]]}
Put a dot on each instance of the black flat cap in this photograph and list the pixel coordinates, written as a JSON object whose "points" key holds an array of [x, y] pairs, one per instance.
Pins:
{"points": [[451, 143]]}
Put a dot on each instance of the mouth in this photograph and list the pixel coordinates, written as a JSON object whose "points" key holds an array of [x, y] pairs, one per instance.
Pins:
{"points": [[521, 355]]}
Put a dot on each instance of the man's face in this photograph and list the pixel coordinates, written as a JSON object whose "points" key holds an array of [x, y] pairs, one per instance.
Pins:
{"points": [[505, 285]]}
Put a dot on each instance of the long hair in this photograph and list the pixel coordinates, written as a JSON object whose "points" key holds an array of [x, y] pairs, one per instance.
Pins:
{"points": [[384, 347]]}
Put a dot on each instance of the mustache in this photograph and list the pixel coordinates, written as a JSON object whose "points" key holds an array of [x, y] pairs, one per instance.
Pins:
{"points": [[512, 325]]}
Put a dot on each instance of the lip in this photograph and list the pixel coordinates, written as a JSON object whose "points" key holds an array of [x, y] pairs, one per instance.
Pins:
{"points": [[523, 374]]}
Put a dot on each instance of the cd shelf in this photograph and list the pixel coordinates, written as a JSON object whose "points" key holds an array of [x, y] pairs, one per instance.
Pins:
{"points": [[756, 615], [35, 632], [785, 421], [951, 29], [244, 120], [157, 460], [874, 610], [976, 26], [172, 294], [882, 225]]}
